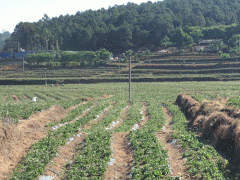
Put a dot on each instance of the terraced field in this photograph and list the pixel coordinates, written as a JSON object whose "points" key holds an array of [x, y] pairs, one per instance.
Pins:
{"points": [[154, 68], [92, 132]]}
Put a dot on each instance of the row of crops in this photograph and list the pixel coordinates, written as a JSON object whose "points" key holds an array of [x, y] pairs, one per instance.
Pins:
{"points": [[150, 158], [44, 150], [154, 67]]}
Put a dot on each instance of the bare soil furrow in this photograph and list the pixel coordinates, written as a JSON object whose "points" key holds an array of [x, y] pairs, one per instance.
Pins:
{"points": [[176, 162], [65, 154], [145, 116], [27, 97], [76, 118], [121, 161], [14, 97], [16, 139]]}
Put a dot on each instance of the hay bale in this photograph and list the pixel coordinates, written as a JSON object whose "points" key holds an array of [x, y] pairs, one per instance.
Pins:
{"points": [[223, 138], [237, 141], [188, 105], [213, 122], [197, 123]]}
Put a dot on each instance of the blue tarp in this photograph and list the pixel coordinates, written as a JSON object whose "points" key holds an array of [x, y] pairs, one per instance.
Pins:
{"points": [[18, 54]]}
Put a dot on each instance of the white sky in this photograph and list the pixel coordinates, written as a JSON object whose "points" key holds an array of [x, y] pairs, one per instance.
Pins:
{"points": [[14, 11]]}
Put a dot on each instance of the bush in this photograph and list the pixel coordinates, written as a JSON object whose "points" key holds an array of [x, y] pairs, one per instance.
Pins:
{"points": [[225, 56]]}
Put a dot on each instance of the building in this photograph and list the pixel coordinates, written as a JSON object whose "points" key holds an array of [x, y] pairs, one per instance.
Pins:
{"points": [[208, 45]]}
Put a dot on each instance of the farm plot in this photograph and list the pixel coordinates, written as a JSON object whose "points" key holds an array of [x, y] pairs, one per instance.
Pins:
{"points": [[108, 137]]}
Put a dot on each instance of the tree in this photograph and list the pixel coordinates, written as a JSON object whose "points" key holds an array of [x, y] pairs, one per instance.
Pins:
{"points": [[104, 55], [181, 39], [234, 41]]}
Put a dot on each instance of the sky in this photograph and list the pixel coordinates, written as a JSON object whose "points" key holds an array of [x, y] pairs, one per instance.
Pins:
{"points": [[13, 12]]}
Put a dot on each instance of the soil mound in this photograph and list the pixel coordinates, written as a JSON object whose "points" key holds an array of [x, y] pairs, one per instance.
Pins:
{"points": [[215, 122]]}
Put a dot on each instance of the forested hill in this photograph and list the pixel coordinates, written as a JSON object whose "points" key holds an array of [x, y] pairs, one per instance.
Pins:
{"points": [[122, 27]]}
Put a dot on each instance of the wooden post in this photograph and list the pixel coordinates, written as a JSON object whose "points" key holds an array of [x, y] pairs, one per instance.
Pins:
{"points": [[129, 78], [23, 64], [119, 68], [45, 76]]}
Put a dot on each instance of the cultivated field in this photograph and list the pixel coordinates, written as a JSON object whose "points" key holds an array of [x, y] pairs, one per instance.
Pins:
{"points": [[154, 68], [187, 130]]}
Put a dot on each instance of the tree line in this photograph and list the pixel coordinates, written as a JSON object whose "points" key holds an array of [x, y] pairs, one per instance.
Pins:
{"points": [[130, 26], [68, 58]]}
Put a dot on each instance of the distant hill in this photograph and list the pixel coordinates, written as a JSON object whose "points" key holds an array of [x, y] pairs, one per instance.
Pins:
{"points": [[123, 27]]}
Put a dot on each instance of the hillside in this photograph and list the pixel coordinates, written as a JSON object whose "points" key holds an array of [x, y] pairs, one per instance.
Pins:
{"points": [[124, 27]]}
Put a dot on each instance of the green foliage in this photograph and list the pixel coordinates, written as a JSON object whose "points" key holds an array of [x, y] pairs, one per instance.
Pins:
{"points": [[104, 55], [234, 41], [44, 150], [66, 58], [128, 26], [202, 160], [134, 117], [150, 159], [182, 39], [225, 56], [92, 162]]}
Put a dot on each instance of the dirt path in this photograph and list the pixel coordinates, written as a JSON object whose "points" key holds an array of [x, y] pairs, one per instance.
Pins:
{"points": [[177, 163], [16, 139], [122, 157], [121, 161], [65, 154], [145, 116], [14, 97], [27, 97]]}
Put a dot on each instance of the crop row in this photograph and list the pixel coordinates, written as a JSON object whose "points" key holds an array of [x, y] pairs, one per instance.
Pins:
{"points": [[72, 114], [234, 101], [113, 114], [44, 150], [22, 110], [203, 160], [150, 159], [134, 116], [91, 162]]}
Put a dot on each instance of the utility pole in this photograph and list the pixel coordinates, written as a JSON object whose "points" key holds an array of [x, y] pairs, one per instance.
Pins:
{"points": [[45, 76], [23, 64], [119, 67], [130, 78], [239, 44], [129, 53], [45, 64]]}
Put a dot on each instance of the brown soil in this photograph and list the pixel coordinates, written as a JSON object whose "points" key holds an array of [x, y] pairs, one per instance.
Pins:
{"points": [[27, 97], [177, 163], [122, 154], [16, 139], [15, 98], [145, 116], [66, 154], [10, 67]]}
